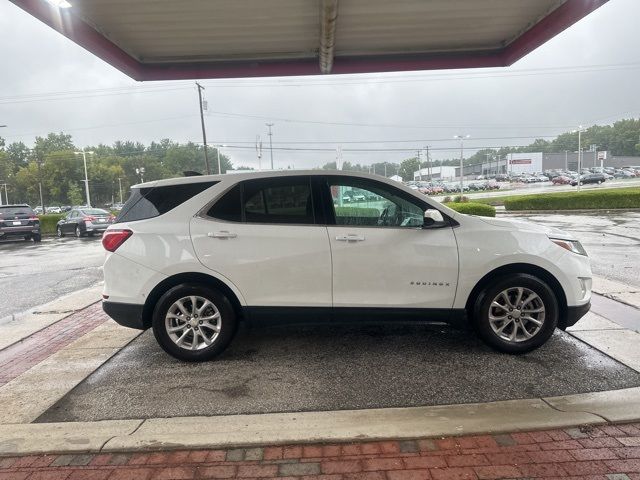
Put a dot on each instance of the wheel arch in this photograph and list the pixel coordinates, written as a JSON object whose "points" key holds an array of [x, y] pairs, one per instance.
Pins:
{"points": [[530, 269], [187, 277]]}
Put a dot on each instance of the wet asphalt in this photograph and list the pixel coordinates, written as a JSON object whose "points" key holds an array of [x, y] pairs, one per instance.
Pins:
{"points": [[35, 273], [291, 369], [612, 241]]}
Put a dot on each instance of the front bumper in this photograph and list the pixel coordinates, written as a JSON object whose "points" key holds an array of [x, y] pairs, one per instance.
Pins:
{"points": [[574, 314], [126, 314]]}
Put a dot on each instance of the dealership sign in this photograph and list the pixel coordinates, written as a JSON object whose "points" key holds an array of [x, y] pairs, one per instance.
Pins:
{"points": [[519, 161]]}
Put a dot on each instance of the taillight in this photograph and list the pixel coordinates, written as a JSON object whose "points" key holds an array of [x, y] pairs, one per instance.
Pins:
{"points": [[88, 218], [34, 218], [112, 239]]}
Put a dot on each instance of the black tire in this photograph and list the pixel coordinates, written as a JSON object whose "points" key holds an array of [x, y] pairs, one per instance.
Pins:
{"points": [[59, 232], [37, 237], [482, 306], [228, 322], [79, 232], [27, 238]]}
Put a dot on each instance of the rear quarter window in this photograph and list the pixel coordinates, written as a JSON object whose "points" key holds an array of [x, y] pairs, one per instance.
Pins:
{"points": [[155, 201]]}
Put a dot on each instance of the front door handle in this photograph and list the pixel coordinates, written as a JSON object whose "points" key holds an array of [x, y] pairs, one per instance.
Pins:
{"points": [[222, 234], [350, 238]]}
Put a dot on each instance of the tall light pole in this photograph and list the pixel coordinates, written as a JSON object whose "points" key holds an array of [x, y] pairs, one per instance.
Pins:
{"points": [[218, 147], [579, 130], [461, 138], [86, 175], [269, 125], [204, 132]]}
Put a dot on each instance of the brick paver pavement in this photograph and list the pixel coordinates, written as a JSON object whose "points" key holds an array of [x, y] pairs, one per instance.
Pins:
{"points": [[21, 356], [609, 452]]}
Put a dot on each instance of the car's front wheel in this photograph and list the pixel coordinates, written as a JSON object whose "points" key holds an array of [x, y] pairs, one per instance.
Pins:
{"points": [[59, 232], [193, 322], [516, 314]]}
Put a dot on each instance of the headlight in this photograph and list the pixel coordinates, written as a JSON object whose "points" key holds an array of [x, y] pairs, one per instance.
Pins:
{"points": [[572, 245]]}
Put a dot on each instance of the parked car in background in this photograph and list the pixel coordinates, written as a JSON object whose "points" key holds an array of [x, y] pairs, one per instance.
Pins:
{"points": [[19, 221], [561, 180], [54, 210], [84, 221], [589, 178], [38, 210], [622, 174]]}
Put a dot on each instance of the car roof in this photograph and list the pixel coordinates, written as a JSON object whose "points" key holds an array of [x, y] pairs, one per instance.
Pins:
{"points": [[22, 205], [237, 177]]}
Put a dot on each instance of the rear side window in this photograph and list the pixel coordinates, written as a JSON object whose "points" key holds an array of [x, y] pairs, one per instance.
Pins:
{"points": [[281, 201], [154, 201], [228, 207]]}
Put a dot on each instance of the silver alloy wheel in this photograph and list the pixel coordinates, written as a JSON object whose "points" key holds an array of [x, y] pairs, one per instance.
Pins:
{"points": [[78, 232], [517, 314], [193, 322]]}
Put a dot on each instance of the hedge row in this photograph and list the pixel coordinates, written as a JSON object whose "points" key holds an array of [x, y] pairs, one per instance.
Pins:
{"points": [[472, 208], [48, 222], [586, 200]]}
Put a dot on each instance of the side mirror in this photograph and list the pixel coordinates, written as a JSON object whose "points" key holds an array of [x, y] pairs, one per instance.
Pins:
{"points": [[431, 217]]}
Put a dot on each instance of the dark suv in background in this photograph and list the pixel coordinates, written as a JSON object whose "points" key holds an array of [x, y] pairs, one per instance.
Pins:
{"points": [[19, 221]]}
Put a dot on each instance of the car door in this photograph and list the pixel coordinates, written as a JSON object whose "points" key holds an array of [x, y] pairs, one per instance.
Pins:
{"points": [[382, 255], [264, 236], [68, 226]]}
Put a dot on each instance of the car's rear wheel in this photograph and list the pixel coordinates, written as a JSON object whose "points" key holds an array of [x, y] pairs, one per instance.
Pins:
{"points": [[193, 322], [78, 232], [516, 314], [37, 237], [59, 232]]}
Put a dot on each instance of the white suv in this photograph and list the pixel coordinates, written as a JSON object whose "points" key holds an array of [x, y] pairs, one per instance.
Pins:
{"points": [[191, 257]]}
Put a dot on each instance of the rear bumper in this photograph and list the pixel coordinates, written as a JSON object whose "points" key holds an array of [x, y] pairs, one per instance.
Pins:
{"points": [[576, 313], [9, 232], [126, 314]]}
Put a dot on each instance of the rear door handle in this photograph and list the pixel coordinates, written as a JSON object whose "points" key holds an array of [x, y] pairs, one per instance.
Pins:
{"points": [[222, 234], [350, 238]]}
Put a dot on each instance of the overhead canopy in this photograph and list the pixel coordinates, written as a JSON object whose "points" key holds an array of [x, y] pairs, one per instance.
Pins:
{"points": [[179, 39]]}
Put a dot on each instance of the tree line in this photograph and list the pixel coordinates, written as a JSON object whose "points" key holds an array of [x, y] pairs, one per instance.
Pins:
{"points": [[53, 163]]}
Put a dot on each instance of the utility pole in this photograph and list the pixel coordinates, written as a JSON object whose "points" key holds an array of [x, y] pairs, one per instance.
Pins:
{"points": [[461, 138], [488, 161], [120, 188], [566, 160], [419, 156], [6, 192], [270, 142], [594, 149], [204, 133]]}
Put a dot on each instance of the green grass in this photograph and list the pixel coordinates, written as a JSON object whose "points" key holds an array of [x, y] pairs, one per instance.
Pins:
{"points": [[473, 208]]}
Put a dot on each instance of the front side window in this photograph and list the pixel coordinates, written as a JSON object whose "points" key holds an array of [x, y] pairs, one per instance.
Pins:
{"points": [[371, 204]]}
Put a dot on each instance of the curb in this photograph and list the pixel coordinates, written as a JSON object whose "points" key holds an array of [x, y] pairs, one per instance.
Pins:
{"points": [[322, 427]]}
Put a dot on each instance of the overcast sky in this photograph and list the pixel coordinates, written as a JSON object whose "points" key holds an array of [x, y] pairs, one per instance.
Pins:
{"points": [[588, 74]]}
